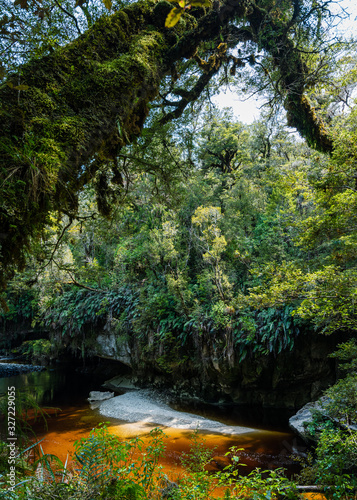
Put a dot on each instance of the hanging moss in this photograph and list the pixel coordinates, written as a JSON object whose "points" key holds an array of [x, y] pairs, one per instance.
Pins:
{"points": [[271, 34]]}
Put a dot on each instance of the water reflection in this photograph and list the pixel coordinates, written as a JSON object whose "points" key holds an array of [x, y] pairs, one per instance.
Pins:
{"points": [[57, 385]]}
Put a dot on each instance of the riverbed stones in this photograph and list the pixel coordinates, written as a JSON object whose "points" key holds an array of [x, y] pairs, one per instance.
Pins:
{"points": [[12, 369]]}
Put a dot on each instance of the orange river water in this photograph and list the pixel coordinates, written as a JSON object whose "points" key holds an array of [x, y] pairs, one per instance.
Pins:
{"points": [[73, 422]]}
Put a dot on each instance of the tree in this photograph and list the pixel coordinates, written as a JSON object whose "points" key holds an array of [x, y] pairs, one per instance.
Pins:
{"points": [[65, 116]]}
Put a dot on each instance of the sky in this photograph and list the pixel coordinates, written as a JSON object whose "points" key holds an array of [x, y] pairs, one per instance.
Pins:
{"points": [[245, 110], [248, 110]]}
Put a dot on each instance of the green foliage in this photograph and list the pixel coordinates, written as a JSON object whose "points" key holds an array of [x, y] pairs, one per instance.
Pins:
{"points": [[334, 464], [336, 452], [264, 485], [234, 235], [199, 456], [105, 467], [258, 484], [270, 330], [103, 456], [22, 304], [76, 309], [321, 277], [36, 351], [342, 400], [108, 468], [346, 355], [178, 258]]}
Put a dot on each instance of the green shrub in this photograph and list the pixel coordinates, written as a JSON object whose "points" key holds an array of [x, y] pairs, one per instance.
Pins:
{"points": [[36, 351]]}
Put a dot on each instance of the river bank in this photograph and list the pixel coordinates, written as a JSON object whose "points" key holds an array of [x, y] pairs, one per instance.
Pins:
{"points": [[9, 368]]}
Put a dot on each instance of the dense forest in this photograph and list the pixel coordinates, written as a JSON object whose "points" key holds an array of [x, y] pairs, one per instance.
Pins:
{"points": [[217, 255]]}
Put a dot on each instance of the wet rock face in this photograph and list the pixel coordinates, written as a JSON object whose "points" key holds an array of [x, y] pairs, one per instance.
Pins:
{"points": [[210, 370], [108, 346], [301, 422], [288, 380]]}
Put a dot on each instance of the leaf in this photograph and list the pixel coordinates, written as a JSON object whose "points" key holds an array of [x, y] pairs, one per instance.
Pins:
{"points": [[182, 3], [173, 17], [201, 3], [11, 85], [108, 4], [21, 87]]}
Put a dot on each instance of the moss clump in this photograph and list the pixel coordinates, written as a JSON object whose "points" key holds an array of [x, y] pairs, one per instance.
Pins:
{"points": [[301, 115]]}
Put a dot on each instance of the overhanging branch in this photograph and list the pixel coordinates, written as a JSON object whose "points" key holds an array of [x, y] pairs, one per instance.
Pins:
{"points": [[92, 96]]}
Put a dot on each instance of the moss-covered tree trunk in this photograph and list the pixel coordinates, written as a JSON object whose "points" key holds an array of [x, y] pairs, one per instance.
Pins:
{"points": [[65, 113]]}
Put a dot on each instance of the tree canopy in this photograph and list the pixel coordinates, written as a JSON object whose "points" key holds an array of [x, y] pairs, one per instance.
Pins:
{"points": [[68, 108]]}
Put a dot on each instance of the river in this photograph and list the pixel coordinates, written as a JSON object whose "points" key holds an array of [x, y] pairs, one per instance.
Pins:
{"points": [[265, 446]]}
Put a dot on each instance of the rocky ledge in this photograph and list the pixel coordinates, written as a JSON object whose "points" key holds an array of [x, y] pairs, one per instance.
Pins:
{"points": [[12, 369]]}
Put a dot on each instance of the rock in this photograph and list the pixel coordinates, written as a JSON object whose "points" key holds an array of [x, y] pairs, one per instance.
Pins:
{"points": [[305, 416], [108, 346], [300, 421], [120, 383], [100, 396], [210, 368], [212, 372], [13, 369]]}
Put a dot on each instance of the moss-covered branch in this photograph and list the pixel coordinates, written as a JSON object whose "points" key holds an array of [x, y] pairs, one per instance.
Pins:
{"points": [[57, 112], [273, 35], [91, 97]]}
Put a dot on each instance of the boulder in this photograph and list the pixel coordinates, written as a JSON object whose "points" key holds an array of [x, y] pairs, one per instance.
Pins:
{"points": [[120, 383], [108, 346], [299, 422], [100, 396]]}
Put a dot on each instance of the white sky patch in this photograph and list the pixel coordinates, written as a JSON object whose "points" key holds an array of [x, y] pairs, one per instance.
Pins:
{"points": [[348, 24], [246, 111]]}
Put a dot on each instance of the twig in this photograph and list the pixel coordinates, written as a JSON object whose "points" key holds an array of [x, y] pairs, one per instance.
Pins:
{"points": [[70, 15], [75, 282], [56, 246]]}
